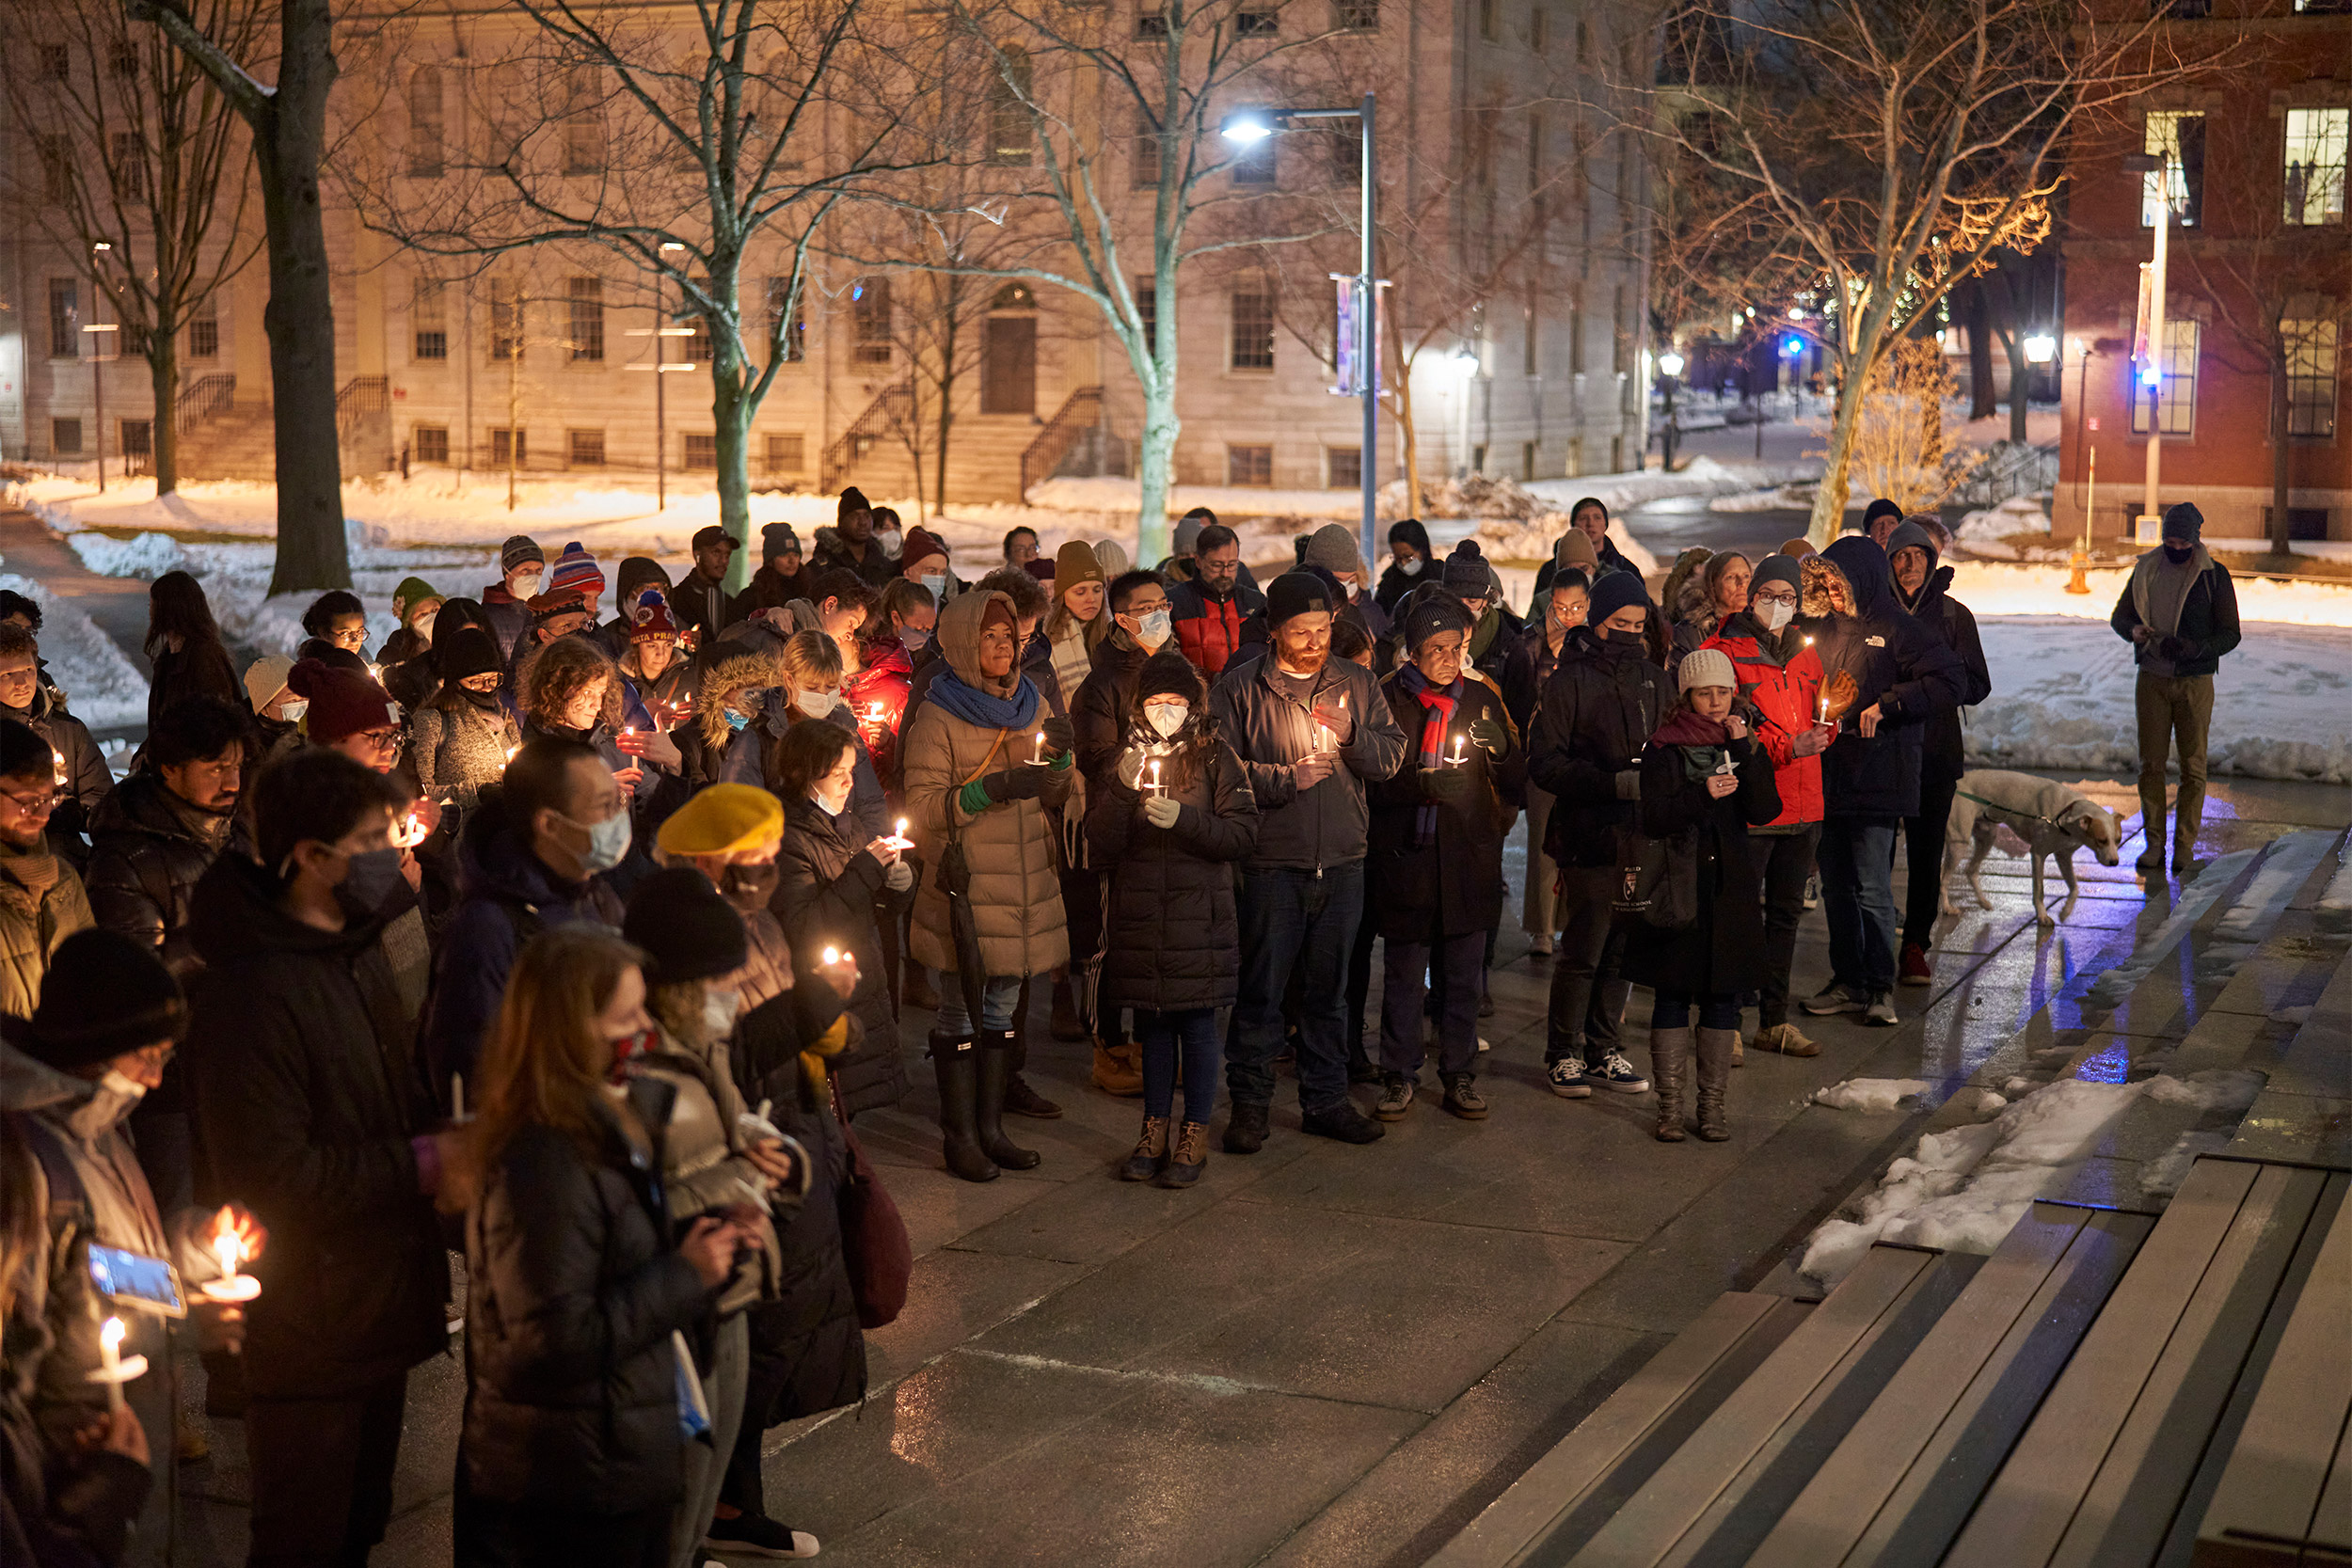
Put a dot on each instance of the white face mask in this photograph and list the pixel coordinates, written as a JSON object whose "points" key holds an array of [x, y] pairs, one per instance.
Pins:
{"points": [[422, 625], [1166, 717], [891, 540], [1776, 614], [935, 584], [830, 804], [292, 711], [1152, 628], [817, 703], [1411, 565], [127, 1088], [526, 586], [718, 1010]]}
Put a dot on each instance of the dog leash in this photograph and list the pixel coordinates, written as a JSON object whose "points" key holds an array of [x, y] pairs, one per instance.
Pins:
{"points": [[2011, 810]]}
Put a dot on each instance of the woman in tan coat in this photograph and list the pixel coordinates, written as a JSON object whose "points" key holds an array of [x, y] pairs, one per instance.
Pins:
{"points": [[979, 783]]}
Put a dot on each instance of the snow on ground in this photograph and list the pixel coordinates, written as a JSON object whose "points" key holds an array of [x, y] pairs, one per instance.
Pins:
{"points": [[1870, 1094], [1990, 588], [236, 583], [103, 686], [2063, 698], [146, 556]]}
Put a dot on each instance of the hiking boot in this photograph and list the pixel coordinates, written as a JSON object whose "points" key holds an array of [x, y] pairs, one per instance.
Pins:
{"points": [[1785, 1039], [1119, 1069], [1343, 1123], [1614, 1072], [1669, 1057], [1835, 998], [1568, 1079], [1813, 891], [1066, 1023], [1714, 1062], [1245, 1128], [1462, 1098], [1878, 1012], [1192, 1153], [1913, 967], [1151, 1153], [1023, 1100], [1397, 1097]]}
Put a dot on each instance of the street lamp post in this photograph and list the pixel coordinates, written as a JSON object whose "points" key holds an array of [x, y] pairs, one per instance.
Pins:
{"points": [[1670, 367], [661, 403], [1256, 125], [98, 393], [2151, 370]]}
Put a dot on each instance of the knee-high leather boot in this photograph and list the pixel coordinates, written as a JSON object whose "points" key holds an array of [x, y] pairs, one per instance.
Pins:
{"points": [[1714, 1054], [998, 1049], [1669, 1058], [956, 1063]]}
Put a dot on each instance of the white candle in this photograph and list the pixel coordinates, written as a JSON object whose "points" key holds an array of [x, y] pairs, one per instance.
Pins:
{"points": [[1457, 751], [876, 716], [1825, 710], [1040, 747], [57, 767], [1156, 773], [457, 1096], [833, 956], [110, 1360], [228, 1250]]}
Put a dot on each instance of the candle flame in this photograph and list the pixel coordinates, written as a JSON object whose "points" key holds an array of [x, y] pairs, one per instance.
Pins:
{"points": [[56, 766], [230, 1240], [902, 827], [110, 1333], [833, 956]]}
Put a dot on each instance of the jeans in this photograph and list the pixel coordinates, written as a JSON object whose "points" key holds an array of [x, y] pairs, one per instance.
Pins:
{"points": [[322, 1474], [1191, 1034], [1587, 998], [1923, 851], [1000, 995], [1461, 965], [2170, 708], [1717, 1010], [1783, 862], [1858, 900], [1291, 918], [706, 1465]]}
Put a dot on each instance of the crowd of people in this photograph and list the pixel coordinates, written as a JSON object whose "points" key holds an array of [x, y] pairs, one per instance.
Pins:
{"points": [[574, 942]]}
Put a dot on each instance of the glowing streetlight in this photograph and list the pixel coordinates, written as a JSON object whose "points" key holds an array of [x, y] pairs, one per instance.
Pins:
{"points": [[1670, 362], [2041, 349]]}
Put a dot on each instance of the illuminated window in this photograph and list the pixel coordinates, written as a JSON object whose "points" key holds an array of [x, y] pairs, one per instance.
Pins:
{"points": [[2315, 164], [2176, 398], [2179, 138]]}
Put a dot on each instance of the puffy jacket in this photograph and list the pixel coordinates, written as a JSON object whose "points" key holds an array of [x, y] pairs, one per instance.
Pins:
{"points": [[769, 589], [304, 1083], [2208, 624], [1781, 678], [1945, 748], [458, 748], [1895, 662], [826, 890], [148, 850], [1270, 730], [1007, 848], [36, 912], [1099, 710], [1172, 940], [1453, 883], [1598, 710], [87, 779], [882, 681], [1722, 951], [702, 1166], [574, 1285], [1208, 628]]}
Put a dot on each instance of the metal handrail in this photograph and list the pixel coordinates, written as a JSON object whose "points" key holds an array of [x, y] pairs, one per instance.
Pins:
{"points": [[1080, 412], [892, 403], [205, 397], [361, 396]]}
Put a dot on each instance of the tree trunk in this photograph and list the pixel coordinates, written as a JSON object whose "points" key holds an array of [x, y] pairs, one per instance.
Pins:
{"points": [[1154, 463], [947, 420], [2020, 382], [1412, 439], [163, 374], [731, 412], [1828, 501], [2281, 465], [1975, 315]]}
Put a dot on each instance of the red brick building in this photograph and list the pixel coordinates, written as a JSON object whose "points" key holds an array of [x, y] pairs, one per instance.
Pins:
{"points": [[2259, 281]]}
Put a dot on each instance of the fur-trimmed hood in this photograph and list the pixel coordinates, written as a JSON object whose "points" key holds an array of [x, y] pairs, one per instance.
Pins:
{"points": [[1820, 574], [721, 682]]}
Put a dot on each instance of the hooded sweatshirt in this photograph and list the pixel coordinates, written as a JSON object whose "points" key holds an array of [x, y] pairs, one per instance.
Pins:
{"points": [[1894, 662], [1934, 608]]}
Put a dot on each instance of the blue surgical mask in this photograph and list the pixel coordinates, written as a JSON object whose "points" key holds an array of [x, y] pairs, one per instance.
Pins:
{"points": [[736, 721], [369, 878], [607, 842], [914, 638], [937, 583]]}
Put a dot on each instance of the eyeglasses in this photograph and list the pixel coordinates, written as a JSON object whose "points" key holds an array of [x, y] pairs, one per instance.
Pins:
{"points": [[1767, 596], [381, 739], [33, 805]]}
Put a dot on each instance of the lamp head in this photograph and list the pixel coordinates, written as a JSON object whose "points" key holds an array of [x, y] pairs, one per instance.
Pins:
{"points": [[1670, 362], [1247, 125], [2041, 348]]}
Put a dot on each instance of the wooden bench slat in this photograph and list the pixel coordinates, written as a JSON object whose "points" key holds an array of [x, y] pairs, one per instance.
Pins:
{"points": [[2331, 1521]]}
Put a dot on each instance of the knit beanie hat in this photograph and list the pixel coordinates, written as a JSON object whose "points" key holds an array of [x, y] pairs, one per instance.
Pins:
{"points": [[411, 592], [1073, 563], [265, 678], [1111, 556], [1612, 593], [1910, 535], [919, 546], [1332, 547], [319, 650], [1706, 667], [577, 568], [2182, 520], [342, 704], [1778, 568], [519, 550], [1432, 615], [556, 601], [1877, 509], [1466, 571], [852, 500], [778, 539], [651, 620], [634, 572], [1188, 539], [1295, 593], [104, 994], [721, 819], [1168, 672], [1574, 550], [467, 651], [684, 927]]}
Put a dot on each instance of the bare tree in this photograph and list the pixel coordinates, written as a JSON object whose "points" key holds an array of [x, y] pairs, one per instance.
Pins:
{"points": [[139, 183]]}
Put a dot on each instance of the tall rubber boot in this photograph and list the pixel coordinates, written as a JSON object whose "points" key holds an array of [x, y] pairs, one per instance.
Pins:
{"points": [[997, 1049], [1669, 1056], [956, 1062], [1714, 1054]]}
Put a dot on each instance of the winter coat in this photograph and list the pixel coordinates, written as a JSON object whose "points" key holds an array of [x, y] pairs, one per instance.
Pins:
{"points": [[1491, 641], [1943, 750], [1598, 710], [1395, 582], [1526, 671], [36, 914], [714, 752], [875, 570], [766, 970], [1454, 883], [573, 1288], [509, 618], [79, 1518], [1100, 709], [1722, 951], [303, 1079], [458, 748], [1780, 677], [1172, 939], [883, 680], [640, 697], [87, 779], [1208, 628], [826, 891], [1895, 661], [148, 850], [506, 895], [197, 669], [702, 1166], [770, 589], [1007, 848], [1270, 730], [868, 803], [2209, 622]]}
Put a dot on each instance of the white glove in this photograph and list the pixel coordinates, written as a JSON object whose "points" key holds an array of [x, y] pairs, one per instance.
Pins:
{"points": [[1160, 811], [898, 876]]}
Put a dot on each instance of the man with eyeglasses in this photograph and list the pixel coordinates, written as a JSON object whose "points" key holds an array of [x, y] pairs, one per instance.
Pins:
{"points": [[83, 778], [42, 900]]}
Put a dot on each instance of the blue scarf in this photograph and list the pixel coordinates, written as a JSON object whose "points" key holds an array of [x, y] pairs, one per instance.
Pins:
{"points": [[975, 706]]}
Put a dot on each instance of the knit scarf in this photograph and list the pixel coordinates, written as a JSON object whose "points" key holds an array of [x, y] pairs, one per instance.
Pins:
{"points": [[35, 870], [2160, 592], [1703, 742], [984, 708], [1438, 707]]}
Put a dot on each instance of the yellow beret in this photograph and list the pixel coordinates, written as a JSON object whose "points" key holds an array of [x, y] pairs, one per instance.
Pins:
{"points": [[722, 820]]}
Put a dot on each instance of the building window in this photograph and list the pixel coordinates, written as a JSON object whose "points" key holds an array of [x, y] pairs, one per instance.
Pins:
{"points": [[702, 451], [426, 123], [2315, 164], [1012, 131], [507, 319], [1249, 465], [429, 443], [500, 441], [1486, 10], [428, 321], [1151, 24], [1576, 332], [136, 339], [139, 446], [1527, 462], [796, 339], [1342, 467], [1356, 16], [1617, 454], [1478, 458], [130, 166], [65, 320], [56, 169], [1148, 312], [1538, 28], [584, 449], [57, 62], [204, 333], [583, 126], [2178, 136], [2310, 376], [586, 298], [870, 315], [123, 58], [699, 349], [1253, 329], [64, 437], [787, 454], [1143, 164], [2176, 402], [1256, 24]]}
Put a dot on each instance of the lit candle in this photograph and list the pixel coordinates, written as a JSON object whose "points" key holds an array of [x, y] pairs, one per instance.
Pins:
{"points": [[457, 1096], [1825, 710], [110, 1360], [902, 827], [1457, 751], [375, 671], [1040, 747], [56, 766], [228, 1249], [1156, 773], [875, 716], [833, 956]]}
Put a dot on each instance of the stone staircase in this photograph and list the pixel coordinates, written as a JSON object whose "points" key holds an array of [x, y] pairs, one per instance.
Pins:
{"points": [[219, 439], [984, 452]]}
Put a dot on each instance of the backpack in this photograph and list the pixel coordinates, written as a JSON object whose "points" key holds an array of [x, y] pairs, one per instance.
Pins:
{"points": [[1658, 879]]}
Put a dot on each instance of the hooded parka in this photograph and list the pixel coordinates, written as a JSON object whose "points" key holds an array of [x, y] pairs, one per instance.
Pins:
{"points": [[1895, 662], [1598, 710], [1944, 747]]}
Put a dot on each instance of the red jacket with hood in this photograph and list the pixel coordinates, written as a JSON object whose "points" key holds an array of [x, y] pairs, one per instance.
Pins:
{"points": [[1786, 691]]}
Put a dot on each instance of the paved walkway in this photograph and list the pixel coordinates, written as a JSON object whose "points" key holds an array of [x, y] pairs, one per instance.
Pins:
{"points": [[117, 605]]}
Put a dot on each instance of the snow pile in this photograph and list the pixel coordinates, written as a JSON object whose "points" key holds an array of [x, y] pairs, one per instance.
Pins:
{"points": [[1991, 588], [1126, 496], [2162, 1176], [236, 584], [1870, 1094], [2018, 515], [103, 688], [2218, 1089], [1795, 495], [144, 556]]}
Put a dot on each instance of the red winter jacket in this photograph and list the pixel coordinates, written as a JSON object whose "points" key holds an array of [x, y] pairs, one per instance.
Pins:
{"points": [[1786, 696], [1209, 631]]}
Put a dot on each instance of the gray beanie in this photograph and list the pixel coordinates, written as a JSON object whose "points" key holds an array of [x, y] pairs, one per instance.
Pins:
{"points": [[1706, 667], [1433, 616], [1332, 547], [1188, 535]]}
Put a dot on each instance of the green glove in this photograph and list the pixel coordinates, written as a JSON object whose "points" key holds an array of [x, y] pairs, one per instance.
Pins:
{"points": [[1489, 737], [1444, 784]]}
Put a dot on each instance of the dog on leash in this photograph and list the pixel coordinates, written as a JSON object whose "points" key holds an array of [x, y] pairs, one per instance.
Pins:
{"points": [[2052, 820]]}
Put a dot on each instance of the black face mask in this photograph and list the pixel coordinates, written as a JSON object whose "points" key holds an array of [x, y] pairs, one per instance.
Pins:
{"points": [[2179, 554], [1625, 639], [485, 701]]}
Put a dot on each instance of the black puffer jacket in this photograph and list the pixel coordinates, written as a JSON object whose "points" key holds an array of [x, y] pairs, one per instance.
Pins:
{"points": [[1598, 710], [304, 1083], [1173, 937], [88, 780], [1099, 711], [1453, 883], [826, 891], [1945, 749], [1722, 951], [575, 1287], [1270, 730], [1896, 663], [146, 858]]}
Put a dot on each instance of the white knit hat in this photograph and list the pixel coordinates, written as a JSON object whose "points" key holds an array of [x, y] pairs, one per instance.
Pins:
{"points": [[1706, 667]]}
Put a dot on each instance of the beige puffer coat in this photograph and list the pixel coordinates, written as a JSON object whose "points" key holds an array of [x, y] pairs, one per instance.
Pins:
{"points": [[1016, 892], [41, 903]]}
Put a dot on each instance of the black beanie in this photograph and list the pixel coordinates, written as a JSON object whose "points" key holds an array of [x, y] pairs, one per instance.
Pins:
{"points": [[1615, 592], [1433, 616], [24, 751], [2182, 520], [852, 500], [467, 651], [1168, 673], [688, 931], [104, 994], [1778, 568], [1877, 509], [1295, 592], [1466, 571]]}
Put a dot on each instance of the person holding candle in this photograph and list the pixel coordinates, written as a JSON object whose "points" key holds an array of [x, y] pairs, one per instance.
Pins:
{"points": [[459, 737], [568, 690], [638, 581], [1526, 672], [730, 832], [657, 685], [415, 603], [1923, 588], [876, 694], [82, 777]]}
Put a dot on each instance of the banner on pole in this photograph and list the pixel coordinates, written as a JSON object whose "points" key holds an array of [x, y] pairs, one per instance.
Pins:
{"points": [[1355, 336]]}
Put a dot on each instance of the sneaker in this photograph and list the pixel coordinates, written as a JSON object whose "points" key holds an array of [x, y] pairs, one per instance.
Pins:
{"points": [[1023, 1100], [1539, 945], [1813, 892], [1614, 1072], [1463, 1100], [1914, 966], [1343, 1122], [1835, 998], [1396, 1097], [756, 1535], [1568, 1079], [1484, 1044], [1786, 1040], [1878, 1013]]}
